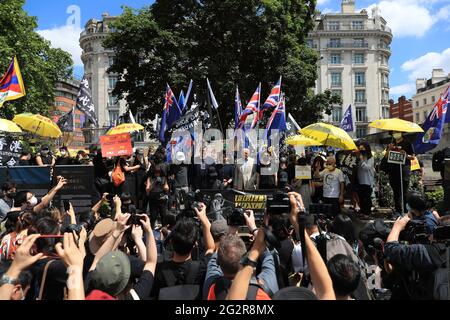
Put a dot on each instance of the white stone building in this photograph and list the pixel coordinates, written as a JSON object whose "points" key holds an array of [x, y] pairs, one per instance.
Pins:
{"points": [[355, 52], [97, 60]]}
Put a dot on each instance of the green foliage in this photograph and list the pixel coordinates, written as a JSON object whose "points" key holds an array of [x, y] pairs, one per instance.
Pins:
{"points": [[385, 193], [41, 65], [436, 199], [232, 42]]}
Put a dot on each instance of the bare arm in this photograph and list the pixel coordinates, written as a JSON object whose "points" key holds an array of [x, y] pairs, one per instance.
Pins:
{"points": [[39, 161], [206, 226], [131, 169], [99, 204], [45, 201], [71, 213], [152, 252], [137, 233]]}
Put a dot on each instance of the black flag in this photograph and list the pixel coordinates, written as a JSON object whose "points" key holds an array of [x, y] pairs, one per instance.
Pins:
{"points": [[66, 122], [84, 102]]}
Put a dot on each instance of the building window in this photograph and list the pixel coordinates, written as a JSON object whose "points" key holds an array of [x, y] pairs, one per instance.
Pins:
{"points": [[385, 111], [361, 132], [360, 79], [112, 100], [358, 42], [335, 58], [111, 61], [433, 99], [309, 43], [335, 43], [337, 93], [336, 79], [360, 96], [358, 58], [337, 114], [417, 104], [361, 114], [424, 101], [112, 83], [417, 117], [425, 115], [113, 118], [333, 25], [139, 136], [357, 25]]}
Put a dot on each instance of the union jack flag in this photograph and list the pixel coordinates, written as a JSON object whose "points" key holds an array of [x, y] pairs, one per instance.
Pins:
{"points": [[252, 108], [273, 99]]}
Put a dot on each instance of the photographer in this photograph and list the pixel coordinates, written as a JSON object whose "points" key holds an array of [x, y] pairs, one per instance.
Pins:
{"points": [[224, 265], [157, 190], [405, 260], [417, 207]]}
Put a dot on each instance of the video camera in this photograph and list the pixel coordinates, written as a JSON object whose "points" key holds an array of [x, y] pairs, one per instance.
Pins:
{"points": [[414, 232], [190, 201], [278, 203]]}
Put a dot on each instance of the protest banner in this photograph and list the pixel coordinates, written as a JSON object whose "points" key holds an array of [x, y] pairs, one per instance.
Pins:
{"points": [[34, 179], [116, 145], [302, 172], [10, 150]]}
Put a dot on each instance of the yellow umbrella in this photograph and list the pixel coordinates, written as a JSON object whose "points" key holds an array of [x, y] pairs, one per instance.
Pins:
{"points": [[300, 140], [329, 135], [37, 124], [9, 126], [395, 124], [125, 128]]}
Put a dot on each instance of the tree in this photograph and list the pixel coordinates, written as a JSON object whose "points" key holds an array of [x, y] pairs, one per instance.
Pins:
{"points": [[232, 42], [40, 64]]}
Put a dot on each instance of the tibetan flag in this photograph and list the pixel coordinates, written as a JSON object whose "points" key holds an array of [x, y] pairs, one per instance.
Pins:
{"points": [[11, 85]]}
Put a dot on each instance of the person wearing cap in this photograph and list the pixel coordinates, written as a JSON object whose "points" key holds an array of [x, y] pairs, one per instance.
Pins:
{"points": [[44, 157], [111, 271], [179, 172]]}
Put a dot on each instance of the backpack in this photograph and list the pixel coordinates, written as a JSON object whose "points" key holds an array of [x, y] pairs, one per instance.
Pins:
{"points": [[118, 176], [220, 288], [176, 290], [377, 229]]}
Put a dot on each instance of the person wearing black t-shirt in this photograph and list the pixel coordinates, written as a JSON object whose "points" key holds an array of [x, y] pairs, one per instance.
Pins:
{"points": [[400, 145], [64, 157]]}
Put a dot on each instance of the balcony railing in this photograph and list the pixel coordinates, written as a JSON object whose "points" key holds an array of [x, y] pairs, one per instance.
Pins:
{"points": [[360, 84], [362, 119], [359, 101], [348, 45], [335, 85], [384, 101], [384, 47]]}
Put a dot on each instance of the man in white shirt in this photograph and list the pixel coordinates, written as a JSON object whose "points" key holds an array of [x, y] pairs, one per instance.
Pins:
{"points": [[333, 185], [246, 175]]}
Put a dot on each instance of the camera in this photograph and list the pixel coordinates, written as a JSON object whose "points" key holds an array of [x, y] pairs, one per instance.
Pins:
{"points": [[414, 232], [73, 227], [236, 218], [278, 203], [134, 220]]}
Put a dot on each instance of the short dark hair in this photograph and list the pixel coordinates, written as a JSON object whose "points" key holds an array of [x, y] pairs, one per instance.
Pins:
{"points": [[8, 186], [343, 226], [231, 250], [344, 273], [417, 201], [24, 278], [21, 198], [126, 196], [184, 236]]}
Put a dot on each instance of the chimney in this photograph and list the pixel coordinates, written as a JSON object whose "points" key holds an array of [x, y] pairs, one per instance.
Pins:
{"points": [[348, 6], [437, 76], [421, 83]]}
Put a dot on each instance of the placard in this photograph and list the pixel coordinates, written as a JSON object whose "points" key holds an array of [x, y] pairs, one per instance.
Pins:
{"points": [[116, 145], [10, 150], [396, 157], [250, 202], [415, 165], [302, 172]]}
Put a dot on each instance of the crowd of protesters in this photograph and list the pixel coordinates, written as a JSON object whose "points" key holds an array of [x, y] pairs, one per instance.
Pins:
{"points": [[162, 245]]}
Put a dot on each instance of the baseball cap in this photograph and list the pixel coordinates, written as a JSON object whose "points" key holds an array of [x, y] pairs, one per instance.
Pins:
{"points": [[112, 273], [219, 228], [100, 233]]}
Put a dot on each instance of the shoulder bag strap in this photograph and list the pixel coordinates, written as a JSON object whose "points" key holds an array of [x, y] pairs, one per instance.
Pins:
{"points": [[44, 276]]}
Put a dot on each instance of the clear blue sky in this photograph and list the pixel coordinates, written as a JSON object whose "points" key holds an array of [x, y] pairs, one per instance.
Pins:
{"points": [[421, 31]]}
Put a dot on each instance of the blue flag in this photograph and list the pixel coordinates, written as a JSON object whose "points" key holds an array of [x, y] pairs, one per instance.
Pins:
{"points": [[171, 113], [277, 121], [182, 101], [347, 121], [237, 108], [432, 127]]}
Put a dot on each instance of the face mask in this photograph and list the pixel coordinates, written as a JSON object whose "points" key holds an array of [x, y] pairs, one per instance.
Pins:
{"points": [[330, 168], [397, 136], [45, 152], [11, 195], [63, 153], [33, 201]]}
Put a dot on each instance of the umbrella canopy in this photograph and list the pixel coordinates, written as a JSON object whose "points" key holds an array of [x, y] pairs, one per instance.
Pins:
{"points": [[125, 128], [9, 126], [37, 124], [300, 140], [329, 135], [396, 125]]}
